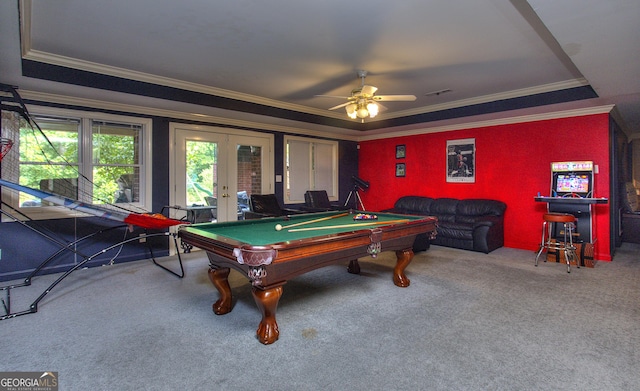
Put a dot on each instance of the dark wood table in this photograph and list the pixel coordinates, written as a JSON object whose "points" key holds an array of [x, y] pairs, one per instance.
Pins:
{"points": [[269, 257]]}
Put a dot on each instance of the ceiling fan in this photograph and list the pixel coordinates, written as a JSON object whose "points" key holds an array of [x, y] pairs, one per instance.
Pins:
{"points": [[363, 101]]}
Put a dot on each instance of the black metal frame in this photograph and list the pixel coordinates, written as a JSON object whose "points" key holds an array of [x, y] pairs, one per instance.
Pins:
{"points": [[33, 308]]}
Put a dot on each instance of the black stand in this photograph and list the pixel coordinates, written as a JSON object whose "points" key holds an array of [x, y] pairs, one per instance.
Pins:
{"points": [[356, 198], [580, 208], [71, 247]]}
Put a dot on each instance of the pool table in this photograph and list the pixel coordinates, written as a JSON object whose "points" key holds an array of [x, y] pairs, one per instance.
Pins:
{"points": [[273, 250]]}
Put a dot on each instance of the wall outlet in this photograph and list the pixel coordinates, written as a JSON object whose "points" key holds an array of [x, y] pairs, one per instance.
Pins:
{"points": [[142, 239]]}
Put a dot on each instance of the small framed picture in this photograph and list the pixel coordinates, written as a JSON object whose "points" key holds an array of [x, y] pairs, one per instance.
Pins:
{"points": [[400, 151], [400, 169]]}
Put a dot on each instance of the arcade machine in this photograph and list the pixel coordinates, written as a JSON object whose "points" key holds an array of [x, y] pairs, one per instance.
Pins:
{"points": [[572, 192]]}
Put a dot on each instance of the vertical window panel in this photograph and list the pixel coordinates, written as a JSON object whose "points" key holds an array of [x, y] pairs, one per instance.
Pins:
{"points": [[310, 164], [116, 157], [299, 168], [323, 170]]}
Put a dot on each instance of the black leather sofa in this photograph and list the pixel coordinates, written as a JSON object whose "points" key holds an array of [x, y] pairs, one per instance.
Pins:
{"points": [[471, 224]]}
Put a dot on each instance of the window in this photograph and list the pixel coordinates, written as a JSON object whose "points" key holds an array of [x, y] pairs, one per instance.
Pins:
{"points": [[91, 157], [116, 161], [310, 164]]}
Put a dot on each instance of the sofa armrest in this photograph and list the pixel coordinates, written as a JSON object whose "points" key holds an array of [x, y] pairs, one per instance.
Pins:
{"points": [[488, 234], [487, 221]]}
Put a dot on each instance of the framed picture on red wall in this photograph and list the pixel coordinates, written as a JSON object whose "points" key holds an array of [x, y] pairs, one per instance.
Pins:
{"points": [[401, 152], [400, 169], [461, 160]]}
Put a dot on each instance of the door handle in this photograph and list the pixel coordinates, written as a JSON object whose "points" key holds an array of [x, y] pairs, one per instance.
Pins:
{"points": [[225, 195]]}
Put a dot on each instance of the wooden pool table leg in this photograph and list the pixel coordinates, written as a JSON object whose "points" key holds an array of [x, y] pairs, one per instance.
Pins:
{"points": [[267, 302], [219, 279], [404, 258]]}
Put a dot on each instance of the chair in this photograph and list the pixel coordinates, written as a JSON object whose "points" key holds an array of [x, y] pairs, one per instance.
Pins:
{"points": [[266, 205], [213, 202], [549, 242], [318, 201]]}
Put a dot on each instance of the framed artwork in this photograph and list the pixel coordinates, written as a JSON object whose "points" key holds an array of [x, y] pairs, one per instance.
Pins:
{"points": [[401, 151], [461, 160], [400, 169]]}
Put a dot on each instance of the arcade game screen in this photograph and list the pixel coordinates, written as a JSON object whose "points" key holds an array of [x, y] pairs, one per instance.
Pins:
{"points": [[573, 183], [572, 179]]}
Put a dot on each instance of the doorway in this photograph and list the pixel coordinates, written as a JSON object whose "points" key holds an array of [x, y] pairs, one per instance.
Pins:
{"points": [[214, 171]]}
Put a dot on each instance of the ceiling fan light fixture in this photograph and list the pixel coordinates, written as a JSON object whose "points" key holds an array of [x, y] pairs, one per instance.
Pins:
{"points": [[363, 100], [351, 110], [373, 108], [362, 112]]}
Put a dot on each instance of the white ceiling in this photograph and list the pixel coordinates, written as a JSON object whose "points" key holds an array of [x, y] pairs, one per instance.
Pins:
{"points": [[282, 53]]}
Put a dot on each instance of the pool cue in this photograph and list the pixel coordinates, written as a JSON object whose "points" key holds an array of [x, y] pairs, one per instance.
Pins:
{"points": [[279, 227], [349, 225]]}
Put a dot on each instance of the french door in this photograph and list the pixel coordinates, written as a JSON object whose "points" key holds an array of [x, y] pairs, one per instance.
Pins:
{"points": [[214, 171]]}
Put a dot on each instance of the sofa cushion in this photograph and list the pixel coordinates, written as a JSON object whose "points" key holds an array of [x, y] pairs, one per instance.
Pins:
{"points": [[444, 209], [413, 205], [468, 211], [455, 230]]}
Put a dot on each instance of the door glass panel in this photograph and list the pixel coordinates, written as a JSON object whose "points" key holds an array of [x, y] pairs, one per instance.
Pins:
{"points": [[218, 172], [249, 165], [202, 175]]}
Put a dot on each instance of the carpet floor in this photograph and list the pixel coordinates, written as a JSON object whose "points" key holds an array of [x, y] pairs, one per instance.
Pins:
{"points": [[468, 321]]}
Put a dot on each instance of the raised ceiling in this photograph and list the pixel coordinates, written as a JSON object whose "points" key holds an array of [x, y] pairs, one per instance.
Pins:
{"points": [[275, 56]]}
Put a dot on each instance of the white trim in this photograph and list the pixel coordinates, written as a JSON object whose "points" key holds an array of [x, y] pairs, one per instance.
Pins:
{"points": [[214, 120], [562, 85], [334, 133], [173, 126], [494, 122], [188, 86]]}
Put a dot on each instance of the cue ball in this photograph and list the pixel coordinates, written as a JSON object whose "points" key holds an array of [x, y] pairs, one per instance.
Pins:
{"points": [[278, 227]]}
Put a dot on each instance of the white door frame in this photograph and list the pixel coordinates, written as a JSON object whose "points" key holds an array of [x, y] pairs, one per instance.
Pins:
{"points": [[232, 135]]}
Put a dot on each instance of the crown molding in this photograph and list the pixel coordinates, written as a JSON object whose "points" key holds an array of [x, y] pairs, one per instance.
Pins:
{"points": [[217, 120], [82, 65], [603, 109], [73, 63], [29, 53], [174, 114], [541, 89]]}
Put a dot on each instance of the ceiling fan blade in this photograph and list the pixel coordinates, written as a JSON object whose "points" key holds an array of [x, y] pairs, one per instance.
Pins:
{"points": [[389, 98], [368, 90], [339, 106]]}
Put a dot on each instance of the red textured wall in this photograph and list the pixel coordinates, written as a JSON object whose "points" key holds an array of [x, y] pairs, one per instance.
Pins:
{"points": [[512, 165]]}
